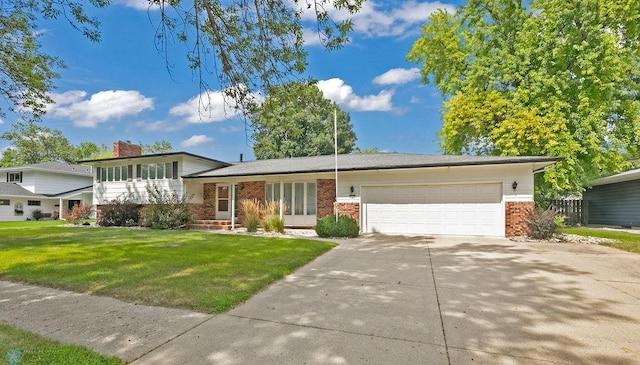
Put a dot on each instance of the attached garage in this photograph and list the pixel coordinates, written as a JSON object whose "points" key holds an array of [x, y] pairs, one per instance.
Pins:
{"points": [[454, 209]]}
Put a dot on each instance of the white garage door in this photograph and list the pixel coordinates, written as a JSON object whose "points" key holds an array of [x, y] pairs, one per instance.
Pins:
{"points": [[454, 209]]}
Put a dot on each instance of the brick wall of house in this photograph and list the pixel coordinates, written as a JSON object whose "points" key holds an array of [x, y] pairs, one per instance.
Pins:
{"points": [[207, 209], [326, 197], [516, 216], [349, 209], [250, 190], [126, 149]]}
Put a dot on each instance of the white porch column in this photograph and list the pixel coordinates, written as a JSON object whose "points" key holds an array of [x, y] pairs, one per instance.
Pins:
{"points": [[233, 205], [60, 213]]}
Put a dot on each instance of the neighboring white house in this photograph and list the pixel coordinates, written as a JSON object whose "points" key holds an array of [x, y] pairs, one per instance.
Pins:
{"points": [[49, 187], [388, 193]]}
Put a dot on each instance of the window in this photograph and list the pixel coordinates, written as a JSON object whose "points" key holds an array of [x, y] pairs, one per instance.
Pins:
{"points": [[5, 202], [299, 197], [311, 198], [155, 171], [145, 172], [114, 173], [14, 177], [33, 203], [175, 169]]}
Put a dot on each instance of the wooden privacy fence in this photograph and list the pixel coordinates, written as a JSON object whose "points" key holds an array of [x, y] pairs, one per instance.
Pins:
{"points": [[574, 211]]}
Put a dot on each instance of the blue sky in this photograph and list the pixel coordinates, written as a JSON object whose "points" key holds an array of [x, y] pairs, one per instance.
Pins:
{"points": [[120, 88]]}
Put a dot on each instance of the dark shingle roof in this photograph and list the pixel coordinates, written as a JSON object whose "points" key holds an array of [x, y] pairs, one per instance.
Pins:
{"points": [[359, 162], [54, 166], [86, 189], [14, 189]]}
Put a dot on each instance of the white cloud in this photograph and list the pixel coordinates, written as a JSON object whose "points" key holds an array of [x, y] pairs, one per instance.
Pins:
{"points": [[1, 122], [157, 126], [311, 37], [230, 129], [100, 107], [397, 76], [342, 94], [375, 19], [136, 4], [207, 107], [195, 140]]}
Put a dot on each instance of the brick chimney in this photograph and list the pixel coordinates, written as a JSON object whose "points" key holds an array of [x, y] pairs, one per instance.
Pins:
{"points": [[126, 149]]}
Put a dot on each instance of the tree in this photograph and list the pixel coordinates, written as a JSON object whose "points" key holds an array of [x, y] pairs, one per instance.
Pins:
{"points": [[256, 44], [549, 77], [26, 73], [245, 46], [296, 120], [32, 143], [156, 147]]}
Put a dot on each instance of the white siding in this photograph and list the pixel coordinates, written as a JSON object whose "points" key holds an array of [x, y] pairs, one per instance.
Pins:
{"points": [[103, 192], [55, 183], [7, 212], [505, 174]]}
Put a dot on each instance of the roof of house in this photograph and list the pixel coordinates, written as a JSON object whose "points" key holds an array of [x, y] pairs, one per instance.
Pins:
{"points": [[361, 162], [621, 177], [13, 189], [86, 189], [155, 155], [53, 167]]}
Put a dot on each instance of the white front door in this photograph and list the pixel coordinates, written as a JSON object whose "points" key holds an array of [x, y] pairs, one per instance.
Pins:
{"points": [[450, 209], [223, 202]]}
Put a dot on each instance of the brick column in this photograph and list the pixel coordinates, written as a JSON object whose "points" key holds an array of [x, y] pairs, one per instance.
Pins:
{"points": [[350, 209], [516, 218], [250, 190], [326, 197]]}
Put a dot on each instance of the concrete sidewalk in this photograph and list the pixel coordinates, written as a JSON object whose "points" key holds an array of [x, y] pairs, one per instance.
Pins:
{"points": [[381, 300]]}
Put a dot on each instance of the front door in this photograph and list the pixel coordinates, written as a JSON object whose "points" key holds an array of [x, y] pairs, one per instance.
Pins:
{"points": [[72, 204], [223, 197]]}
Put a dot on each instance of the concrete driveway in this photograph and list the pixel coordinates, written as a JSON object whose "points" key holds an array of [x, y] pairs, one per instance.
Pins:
{"points": [[436, 300]]}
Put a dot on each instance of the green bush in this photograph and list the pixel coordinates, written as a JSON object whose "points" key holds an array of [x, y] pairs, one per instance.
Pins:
{"points": [[79, 213], [36, 214], [543, 223], [344, 227], [122, 212], [273, 223], [251, 210], [165, 210]]}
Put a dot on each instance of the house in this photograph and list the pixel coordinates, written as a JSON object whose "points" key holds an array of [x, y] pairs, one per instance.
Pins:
{"points": [[388, 193], [614, 200], [49, 187]]}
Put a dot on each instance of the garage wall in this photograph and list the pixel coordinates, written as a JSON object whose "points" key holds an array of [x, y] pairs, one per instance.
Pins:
{"points": [[505, 174], [440, 200]]}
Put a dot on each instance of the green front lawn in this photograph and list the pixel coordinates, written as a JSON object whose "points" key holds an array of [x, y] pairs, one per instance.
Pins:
{"points": [[23, 348], [625, 241], [202, 271]]}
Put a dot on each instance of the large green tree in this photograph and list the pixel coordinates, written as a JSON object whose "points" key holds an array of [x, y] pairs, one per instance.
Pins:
{"points": [[541, 77], [26, 73], [243, 47], [249, 46], [296, 120], [33, 143]]}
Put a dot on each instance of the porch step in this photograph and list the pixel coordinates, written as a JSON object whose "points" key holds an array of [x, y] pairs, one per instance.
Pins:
{"points": [[207, 224]]}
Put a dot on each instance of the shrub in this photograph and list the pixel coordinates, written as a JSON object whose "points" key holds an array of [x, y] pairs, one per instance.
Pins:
{"points": [[79, 213], [270, 217], [344, 227], [36, 214], [121, 212], [543, 223], [251, 209], [165, 210], [55, 215]]}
